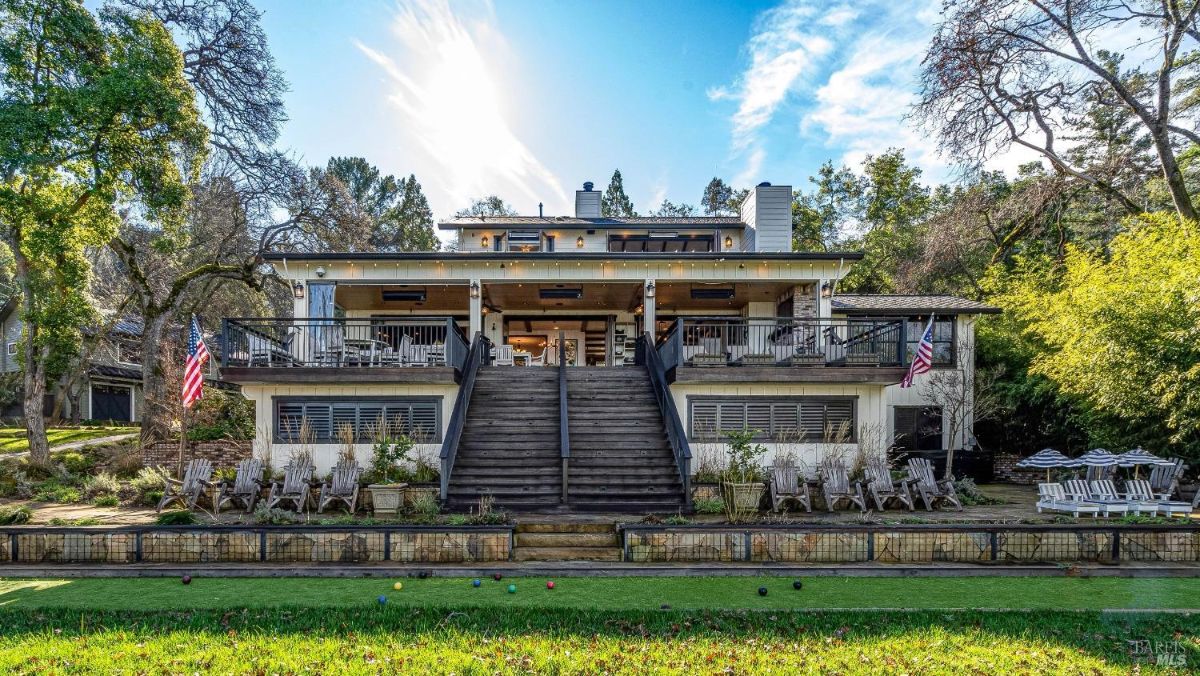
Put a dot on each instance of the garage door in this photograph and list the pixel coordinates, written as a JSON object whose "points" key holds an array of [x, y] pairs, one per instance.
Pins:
{"points": [[111, 402]]}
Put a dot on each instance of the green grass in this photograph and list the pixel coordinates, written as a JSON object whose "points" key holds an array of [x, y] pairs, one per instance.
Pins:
{"points": [[610, 593], [13, 440], [589, 625]]}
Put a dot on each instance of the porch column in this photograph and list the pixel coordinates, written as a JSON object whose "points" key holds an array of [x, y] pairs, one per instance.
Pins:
{"points": [[649, 295], [476, 294]]}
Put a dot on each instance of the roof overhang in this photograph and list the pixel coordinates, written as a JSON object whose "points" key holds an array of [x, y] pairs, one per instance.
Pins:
{"points": [[908, 312], [463, 257]]}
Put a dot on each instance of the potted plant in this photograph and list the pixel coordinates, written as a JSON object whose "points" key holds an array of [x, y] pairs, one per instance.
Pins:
{"points": [[423, 482], [387, 493], [742, 479]]}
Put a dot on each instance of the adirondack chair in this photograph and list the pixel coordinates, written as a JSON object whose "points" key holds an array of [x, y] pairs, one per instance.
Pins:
{"points": [[1107, 490], [1078, 489], [1052, 497], [1095, 473], [342, 485], [1139, 489], [835, 485], [920, 477], [244, 488], [881, 488], [1164, 479], [294, 488], [197, 476], [788, 486]]}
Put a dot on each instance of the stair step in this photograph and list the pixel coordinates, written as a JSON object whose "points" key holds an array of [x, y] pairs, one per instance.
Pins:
{"points": [[567, 554], [627, 506], [557, 527], [608, 539]]}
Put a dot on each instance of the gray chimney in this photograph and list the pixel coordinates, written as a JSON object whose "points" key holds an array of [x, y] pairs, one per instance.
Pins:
{"points": [[587, 202], [767, 213]]}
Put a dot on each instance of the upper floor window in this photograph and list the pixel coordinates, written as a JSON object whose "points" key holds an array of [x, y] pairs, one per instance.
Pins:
{"points": [[12, 348], [660, 242], [943, 338], [521, 240]]}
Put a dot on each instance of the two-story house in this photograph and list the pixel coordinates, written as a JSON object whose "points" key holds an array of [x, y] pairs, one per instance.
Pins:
{"points": [[579, 360]]}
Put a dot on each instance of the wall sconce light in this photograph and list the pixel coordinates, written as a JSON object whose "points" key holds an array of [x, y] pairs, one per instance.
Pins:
{"points": [[826, 290], [579, 242], [728, 242], [650, 289], [474, 289], [320, 270], [484, 241], [298, 290]]}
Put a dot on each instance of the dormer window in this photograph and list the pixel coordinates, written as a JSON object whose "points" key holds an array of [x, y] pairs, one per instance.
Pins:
{"points": [[660, 242], [524, 240]]}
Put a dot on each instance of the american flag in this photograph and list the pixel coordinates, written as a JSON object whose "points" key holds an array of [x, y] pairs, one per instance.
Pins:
{"points": [[923, 361], [193, 374]]}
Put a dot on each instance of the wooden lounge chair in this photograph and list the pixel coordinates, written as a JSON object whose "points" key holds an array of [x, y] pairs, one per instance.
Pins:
{"points": [[788, 486], [881, 488], [1052, 497], [197, 476], [931, 490], [342, 485], [1139, 489], [1106, 490], [295, 487], [1164, 479], [1078, 489], [245, 488], [835, 485]]}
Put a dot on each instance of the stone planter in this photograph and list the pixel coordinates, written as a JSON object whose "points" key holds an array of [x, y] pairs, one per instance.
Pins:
{"points": [[709, 360], [386, 498], [414, 493], [743, 498], [863, 359], [814, 359], [758, 360]]}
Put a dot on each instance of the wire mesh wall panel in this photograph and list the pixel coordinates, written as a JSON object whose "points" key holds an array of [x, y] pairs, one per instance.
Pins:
{"points": [[955, 546], [285, 546], [683, 545], [801, 546], [75, 547], [1160, 546], [238, 546], [449, 547], [1055, 546]]}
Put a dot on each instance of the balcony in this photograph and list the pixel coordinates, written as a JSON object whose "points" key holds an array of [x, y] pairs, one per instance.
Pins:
{"points": [[347, 350], [783, 348]]}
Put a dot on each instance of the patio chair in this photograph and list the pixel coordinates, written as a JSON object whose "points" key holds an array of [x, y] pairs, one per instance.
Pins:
{"points": [[1078, 489], [836, 486], [331, 350], [931, 490], [1052, 497], [268, 351], [197, 476], [881, 488], [398, 356], [295, 488], [1139, 489], [342, 485], [1164, 479], [504, 355], [245, 488], [787, 485], [1106, 489], [539, 359]]}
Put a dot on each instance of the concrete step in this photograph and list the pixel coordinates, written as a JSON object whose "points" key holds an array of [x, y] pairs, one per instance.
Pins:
{"points": [[567, 540], [567, 554], [563, 527]]}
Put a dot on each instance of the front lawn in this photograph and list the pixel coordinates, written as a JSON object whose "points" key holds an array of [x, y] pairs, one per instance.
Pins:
{"points": [[609, 593], [13, 439]]}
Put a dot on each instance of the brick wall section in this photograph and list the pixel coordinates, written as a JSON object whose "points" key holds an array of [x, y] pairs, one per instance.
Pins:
{"points": [[222, 453], [1007, 470]]}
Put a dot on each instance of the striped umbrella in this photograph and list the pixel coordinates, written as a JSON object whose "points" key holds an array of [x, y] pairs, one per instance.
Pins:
{"points": [[1097, 457], [1139, 456], [1046, 459]]}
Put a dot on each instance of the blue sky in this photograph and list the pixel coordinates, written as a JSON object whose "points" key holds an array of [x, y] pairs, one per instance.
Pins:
{"points": [[529, 99]]}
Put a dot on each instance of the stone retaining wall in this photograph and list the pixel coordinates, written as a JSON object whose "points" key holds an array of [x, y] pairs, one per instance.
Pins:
{"points": [[251, 545], [223, 453], [911, 546]]}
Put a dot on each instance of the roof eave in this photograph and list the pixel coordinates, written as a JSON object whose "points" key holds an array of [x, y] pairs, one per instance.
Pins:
{"points": [[889, 312], [460, 256]]}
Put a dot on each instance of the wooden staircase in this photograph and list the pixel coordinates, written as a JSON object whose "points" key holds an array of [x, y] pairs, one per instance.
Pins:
{"points": [[566, 542], [621, 459], [510, 442]]}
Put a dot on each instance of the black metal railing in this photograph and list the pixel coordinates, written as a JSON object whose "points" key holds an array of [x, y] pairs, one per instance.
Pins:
{"points": [[564, 435], [666, 405], [478, 354], [784, 341], [339, 341]]}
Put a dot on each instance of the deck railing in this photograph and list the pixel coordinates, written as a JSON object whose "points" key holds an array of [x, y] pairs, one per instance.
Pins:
{"points": [[676, 434], [784, 341], [285, 342]]}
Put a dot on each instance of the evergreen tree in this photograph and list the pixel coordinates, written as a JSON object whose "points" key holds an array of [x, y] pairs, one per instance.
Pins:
{"points": [[491, 205], [615, 203], [414, 219], [670, 209], [718, 199]]}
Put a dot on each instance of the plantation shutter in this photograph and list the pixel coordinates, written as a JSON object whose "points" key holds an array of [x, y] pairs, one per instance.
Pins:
{"points": [[731, 417], [288, 422], [812, 421], [368, 419], [839, 418], [758, 417], [904, 420], [704, 420], [424, 421], [318, 416], [782, 419], [344, 416]]}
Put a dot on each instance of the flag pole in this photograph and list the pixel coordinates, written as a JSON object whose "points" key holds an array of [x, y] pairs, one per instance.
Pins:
{"points": [[183, 407]]}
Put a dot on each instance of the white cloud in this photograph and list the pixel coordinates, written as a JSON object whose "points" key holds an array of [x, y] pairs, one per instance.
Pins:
{"points": [[450, 120], [750, 173]]}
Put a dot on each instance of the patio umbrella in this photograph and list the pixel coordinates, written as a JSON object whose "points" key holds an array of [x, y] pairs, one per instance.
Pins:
{"points": [[1139, 456], [1046, 459], [1097, 457]]}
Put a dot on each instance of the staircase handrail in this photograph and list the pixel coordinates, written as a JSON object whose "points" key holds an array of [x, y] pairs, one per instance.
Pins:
{"points": [[676, 434], [480, 347], [564, 436]]}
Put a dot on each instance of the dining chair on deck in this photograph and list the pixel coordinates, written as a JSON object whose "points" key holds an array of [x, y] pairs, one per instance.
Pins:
{"points": [[504, 355]]}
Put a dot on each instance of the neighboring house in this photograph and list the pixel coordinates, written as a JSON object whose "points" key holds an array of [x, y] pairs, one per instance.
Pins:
{"points": [[111, 389], [745, 333]]}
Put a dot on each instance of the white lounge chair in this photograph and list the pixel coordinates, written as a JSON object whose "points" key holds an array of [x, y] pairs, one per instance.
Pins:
{"points": [[1104, 489], [1139, 489], [1052, 497], [1078, 489]]}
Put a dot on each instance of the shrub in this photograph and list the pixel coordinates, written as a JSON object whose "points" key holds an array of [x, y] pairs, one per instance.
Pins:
{"points": [[52, 491], [457, 520], [710, 506], [424, 504], [77, 463], [150, 498], [83, 521], [386, 456], [970, 494], [274, 516], [14, 515], [743, 466], [106, 501], [144, 489], [178, 517], [491, 518], [222, 415], [677, 520], [99, 485]]}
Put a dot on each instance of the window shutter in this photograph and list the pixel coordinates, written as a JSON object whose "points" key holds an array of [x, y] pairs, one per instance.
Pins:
{"points": [[344, 415], [319, 423], [704, 420], [288, 422], [812, 421], [904, 420], [732, 417], [758, 417], [839, 417], [785, 422], [370, 418], [425, 421]]}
